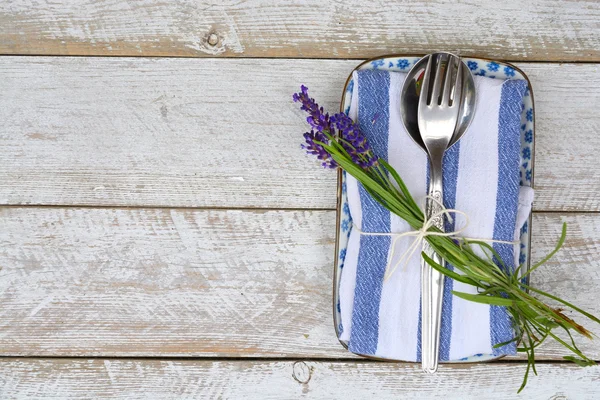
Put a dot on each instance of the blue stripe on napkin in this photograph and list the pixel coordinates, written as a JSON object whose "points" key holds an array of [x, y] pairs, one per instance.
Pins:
{"points": [[373, 108], [509, 145]]}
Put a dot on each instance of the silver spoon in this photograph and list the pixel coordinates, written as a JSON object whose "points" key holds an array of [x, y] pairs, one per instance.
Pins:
{"points": [[409, 104], [436, 121]]}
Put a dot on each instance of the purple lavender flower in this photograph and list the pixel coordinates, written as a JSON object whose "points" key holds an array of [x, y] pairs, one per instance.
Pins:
{"points": [[353, 141], [317, 149], [338, 125], [316, 118], [320, 122]]}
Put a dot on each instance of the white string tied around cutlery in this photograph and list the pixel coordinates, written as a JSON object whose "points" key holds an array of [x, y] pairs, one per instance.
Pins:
{"points": [[421, 234]]}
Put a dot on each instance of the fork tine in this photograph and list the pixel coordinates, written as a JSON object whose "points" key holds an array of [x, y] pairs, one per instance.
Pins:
{"points": [[437, 83], [457, 89], [425, 86], [449, 80]]}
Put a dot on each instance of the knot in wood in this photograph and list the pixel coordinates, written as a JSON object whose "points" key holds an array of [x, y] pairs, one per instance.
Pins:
{"points": [[301, 372]]}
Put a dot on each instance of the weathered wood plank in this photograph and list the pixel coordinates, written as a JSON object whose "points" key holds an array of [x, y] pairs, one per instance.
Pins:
{"points": [[567, 168], [153, 379], [161, 132], [149, 282], [544, 30], [206, 133], [146, 282]]}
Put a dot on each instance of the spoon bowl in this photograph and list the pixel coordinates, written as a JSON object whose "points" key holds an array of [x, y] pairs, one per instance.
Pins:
{"points": [[409, 102]]}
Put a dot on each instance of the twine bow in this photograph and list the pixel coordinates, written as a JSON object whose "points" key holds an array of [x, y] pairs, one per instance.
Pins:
{"points": [[421, 234]]}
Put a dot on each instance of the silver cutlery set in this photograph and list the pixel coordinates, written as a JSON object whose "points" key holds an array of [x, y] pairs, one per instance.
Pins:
{"points": [[437, 106]]}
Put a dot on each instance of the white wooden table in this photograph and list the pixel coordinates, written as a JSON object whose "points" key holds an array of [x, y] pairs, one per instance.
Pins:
{"points": [[163, 236]]}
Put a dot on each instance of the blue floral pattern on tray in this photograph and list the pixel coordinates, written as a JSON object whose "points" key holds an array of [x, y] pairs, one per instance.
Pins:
{"points": [[489, 69]]}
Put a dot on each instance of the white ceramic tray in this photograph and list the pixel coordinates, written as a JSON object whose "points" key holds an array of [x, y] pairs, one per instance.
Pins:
{"points": [[478, 66]]}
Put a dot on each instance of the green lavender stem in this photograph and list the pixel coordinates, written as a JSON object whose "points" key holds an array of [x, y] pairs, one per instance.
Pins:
{"points": [[533, 320]]}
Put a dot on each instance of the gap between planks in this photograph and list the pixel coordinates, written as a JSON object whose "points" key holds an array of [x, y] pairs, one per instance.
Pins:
{"points": [[227, 208], [358, 59], [332, 360]]}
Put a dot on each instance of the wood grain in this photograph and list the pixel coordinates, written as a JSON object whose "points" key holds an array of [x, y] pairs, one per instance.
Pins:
{"points": [[224, 133], [150, 379], [161, 132], [158, 282], [544, 30], [154, 282]]}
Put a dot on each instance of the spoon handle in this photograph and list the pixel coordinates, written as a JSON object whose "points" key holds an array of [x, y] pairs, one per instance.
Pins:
{"points": [[432, 281]]}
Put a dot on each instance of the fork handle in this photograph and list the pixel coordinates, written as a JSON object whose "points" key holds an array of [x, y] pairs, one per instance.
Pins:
{"points": [[432, 281]]}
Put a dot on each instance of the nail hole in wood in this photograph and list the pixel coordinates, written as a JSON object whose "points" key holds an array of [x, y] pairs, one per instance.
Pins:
{"points": [[213, 39]]}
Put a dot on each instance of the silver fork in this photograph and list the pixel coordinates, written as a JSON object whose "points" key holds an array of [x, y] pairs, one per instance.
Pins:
{"points": [[438, 114]]}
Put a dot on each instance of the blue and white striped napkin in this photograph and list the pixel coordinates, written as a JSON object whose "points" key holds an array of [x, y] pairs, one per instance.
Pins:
{"points": [[481, 178]]}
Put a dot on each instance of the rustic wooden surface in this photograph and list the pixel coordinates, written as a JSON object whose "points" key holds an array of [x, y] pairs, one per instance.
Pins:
{"points": [[163, 236], [177, 379], [511, 29]]}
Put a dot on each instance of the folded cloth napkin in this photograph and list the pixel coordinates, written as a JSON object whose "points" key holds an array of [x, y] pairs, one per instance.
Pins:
{"points": [[481, 178]]}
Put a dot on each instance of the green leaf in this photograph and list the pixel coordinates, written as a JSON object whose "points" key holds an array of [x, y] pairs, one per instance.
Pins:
{"points": [[495, 254], [390, 202], [579, 361], [560, 243], [364, 178], [547, 322], [531, 353], [403, 188], [524, 383], [566, 303], [485, 299], [448, 272], [498, 345], [574, 350]]}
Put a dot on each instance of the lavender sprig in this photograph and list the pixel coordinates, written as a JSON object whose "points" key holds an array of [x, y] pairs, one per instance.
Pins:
{"points": [[338, 127], [338, 141]]}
